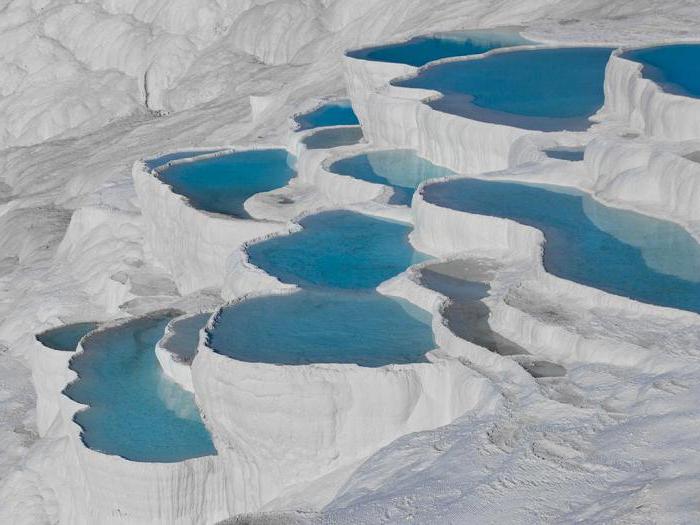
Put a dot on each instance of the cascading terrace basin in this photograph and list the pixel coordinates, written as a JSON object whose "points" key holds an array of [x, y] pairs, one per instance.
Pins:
{"points": [[323, 326], [401, 170], [338, 249], [133, 410], [66, 338], [675, 67], [421, 50], [618, 251], [222, 183], [546, 89], [335, 113]]}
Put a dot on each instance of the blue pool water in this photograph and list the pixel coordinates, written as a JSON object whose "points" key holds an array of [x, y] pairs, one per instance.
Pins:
{"points": [[337, 113], [222, 184], [324, 327], [66, 338], [569, 154], [541, 89], [338, 249], [134, 410], [421, 50], [333, 138], [675, 67], [618, 251], [403, 170], [170, 157], [185, 336]]}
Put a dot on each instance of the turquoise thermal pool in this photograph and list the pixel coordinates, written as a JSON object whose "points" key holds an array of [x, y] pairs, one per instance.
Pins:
{"points": [[336, 113], [223, 183], [541, 89], [402, 170], [333, 138], [66, 338], [323, 326], [676, 67], [423, 49], [134, 411], [615, 250], [161, 161], [338, 249]]}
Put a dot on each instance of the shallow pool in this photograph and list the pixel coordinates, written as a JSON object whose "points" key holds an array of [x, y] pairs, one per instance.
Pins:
{"points": [[66, 338], [568, 154], [675, 67], [158, 162], [334, 138], [339, 249], [403, 170], [541, 89], [134, 410], [618, 251], [324, 326], [223, 183], [184, 336], [423, 49], [336, 113]]}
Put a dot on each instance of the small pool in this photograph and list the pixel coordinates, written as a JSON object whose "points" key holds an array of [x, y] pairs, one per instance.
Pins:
{"points": [[157, 162], [184, 336], [541, 89], [223, 183], [336, 113], [134, 410], [674, 67], [317, 326], [615, 250], [568, 154], [339, 249], [334, 138], [402, 170], [423, 49], [66, 338]]}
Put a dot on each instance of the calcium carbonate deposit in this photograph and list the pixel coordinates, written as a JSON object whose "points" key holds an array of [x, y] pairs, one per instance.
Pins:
{"points": [[349, 261]]}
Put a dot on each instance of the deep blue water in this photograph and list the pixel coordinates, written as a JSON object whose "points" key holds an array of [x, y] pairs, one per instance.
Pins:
{"points": [[185, 336], [421, 50], [618, 251], [542, 89], [319, 326], [336, 113], [675, 67], [134, 410], [222, 184], [338, 249], [66, 338], [164, 159], [570, 154], [403, 170], [333, 138]]}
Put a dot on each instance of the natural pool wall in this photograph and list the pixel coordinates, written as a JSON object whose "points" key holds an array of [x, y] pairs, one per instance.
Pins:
{"points": [[645, 105], [177, 348], [193, 245]]}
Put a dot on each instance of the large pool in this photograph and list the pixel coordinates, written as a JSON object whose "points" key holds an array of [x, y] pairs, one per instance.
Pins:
{"points": [[402, 170], [541, 89], [134, 410], [66, 338], [324, 326], [336, 113], [618, 251], [339, 249], [423, 49], [675, 67], [223, 183]]}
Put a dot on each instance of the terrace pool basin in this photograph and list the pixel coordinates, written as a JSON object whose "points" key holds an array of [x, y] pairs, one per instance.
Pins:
{"points": [[675, 67], [66, 338], [336, 113], [134, 410], [551, 89], [323, 326], [223, 183], [338, 249], [334, 138]]}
